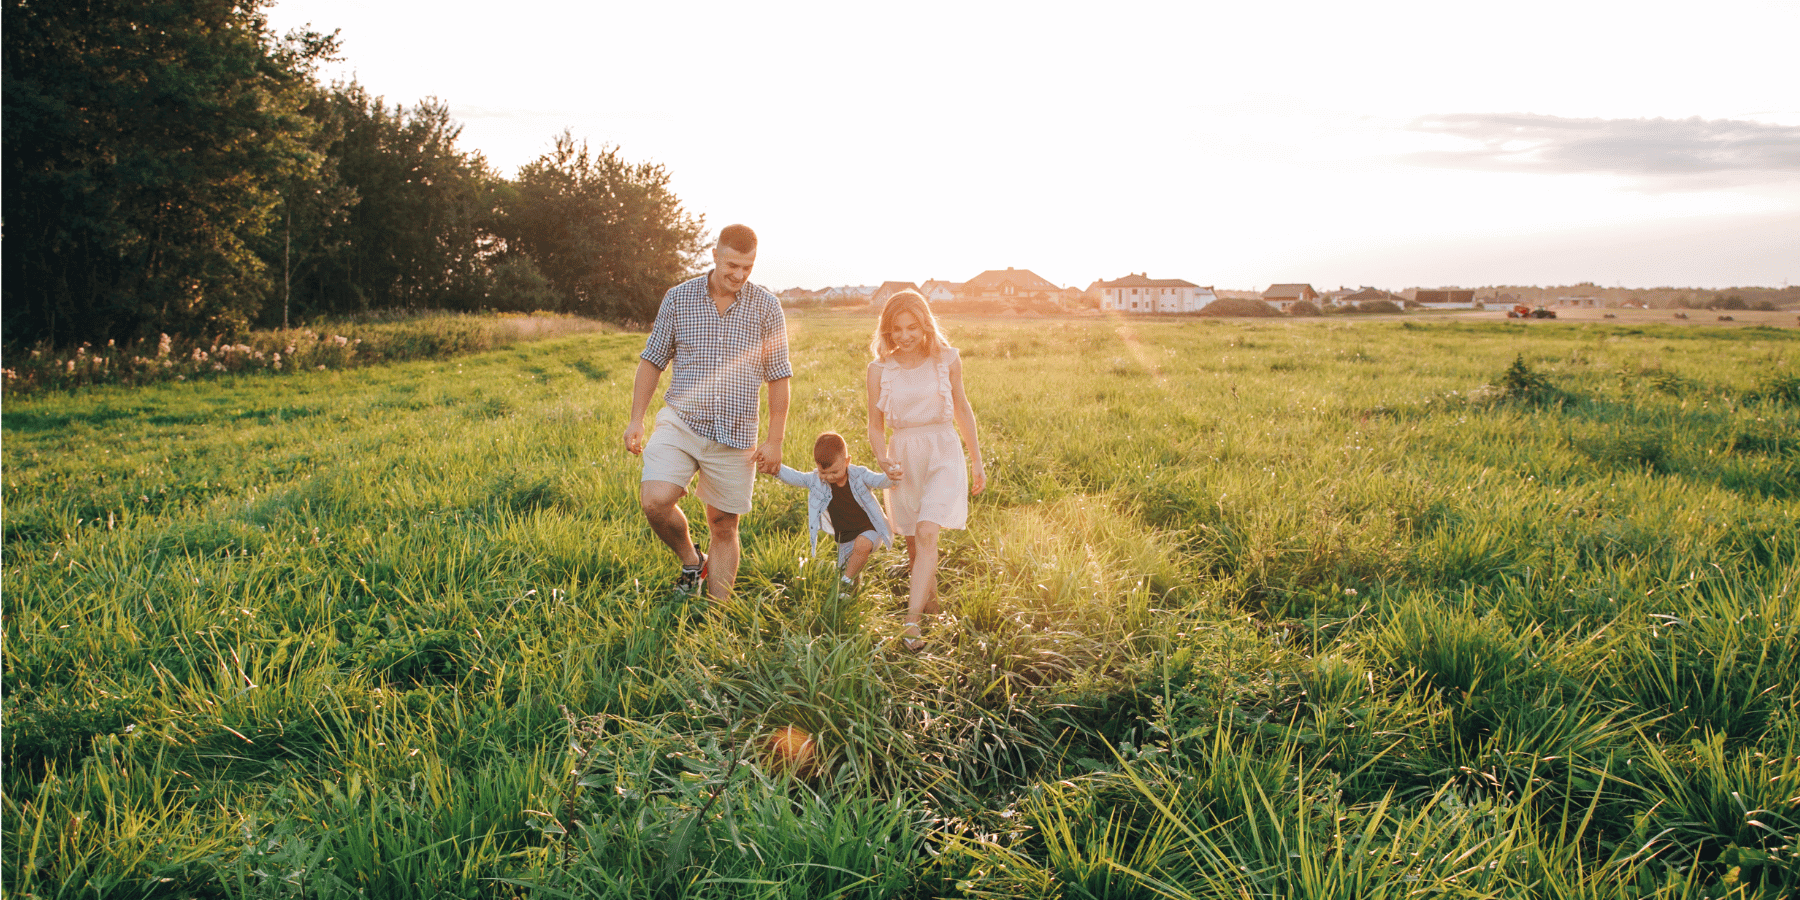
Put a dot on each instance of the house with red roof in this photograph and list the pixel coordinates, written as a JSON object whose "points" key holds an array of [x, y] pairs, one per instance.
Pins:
{"points": [[1139, 293], [1009, 285], [889, 289], [1282, 296]]}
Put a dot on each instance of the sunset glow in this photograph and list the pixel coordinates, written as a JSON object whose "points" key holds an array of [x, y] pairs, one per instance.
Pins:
{"points": [[1393, 145]]}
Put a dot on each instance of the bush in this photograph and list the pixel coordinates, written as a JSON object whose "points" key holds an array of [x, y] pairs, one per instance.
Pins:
{"points": [[519, 286], [1304, 308], [1379, 306], [1235, 306]]}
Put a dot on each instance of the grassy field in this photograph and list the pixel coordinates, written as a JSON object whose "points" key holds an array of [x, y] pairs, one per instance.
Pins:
{"points": [[1315, 609]]}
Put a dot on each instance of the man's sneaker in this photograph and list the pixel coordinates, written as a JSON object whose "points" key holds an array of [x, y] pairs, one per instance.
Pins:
{"points": [[692, 579]]}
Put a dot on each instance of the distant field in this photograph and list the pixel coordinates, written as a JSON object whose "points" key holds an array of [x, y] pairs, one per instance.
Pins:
{"points": [[1333, 608]]}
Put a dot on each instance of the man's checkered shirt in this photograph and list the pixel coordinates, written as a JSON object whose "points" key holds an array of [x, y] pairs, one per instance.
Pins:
{"points": [[720, 360]]}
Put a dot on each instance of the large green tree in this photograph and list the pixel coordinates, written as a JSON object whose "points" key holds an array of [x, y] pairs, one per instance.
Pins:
{"points": [[405, 220], [147, 146], [607, 234]]}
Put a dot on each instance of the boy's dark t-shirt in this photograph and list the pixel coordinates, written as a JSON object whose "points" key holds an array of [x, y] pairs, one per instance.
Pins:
{"points": [[847, 517]]}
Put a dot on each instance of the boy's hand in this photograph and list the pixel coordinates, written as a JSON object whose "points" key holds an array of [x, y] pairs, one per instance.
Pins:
{"points": [[893, 470]]}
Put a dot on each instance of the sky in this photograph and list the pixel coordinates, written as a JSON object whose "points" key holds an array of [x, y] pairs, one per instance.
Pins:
{"points": [[1236, 145]]}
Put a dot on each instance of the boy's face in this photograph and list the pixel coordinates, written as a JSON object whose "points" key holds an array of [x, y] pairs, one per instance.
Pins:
{"points": [[836, 473]]}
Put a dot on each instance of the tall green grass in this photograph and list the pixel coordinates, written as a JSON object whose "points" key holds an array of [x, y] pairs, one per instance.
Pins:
{"points": [[1299, 609]]}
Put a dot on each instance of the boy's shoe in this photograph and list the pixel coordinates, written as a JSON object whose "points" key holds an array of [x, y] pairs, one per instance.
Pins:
{"points": [[692, 579], [845, 585]]}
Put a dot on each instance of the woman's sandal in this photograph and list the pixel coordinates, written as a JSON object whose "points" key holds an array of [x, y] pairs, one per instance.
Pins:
{"points": [[911, 643]]}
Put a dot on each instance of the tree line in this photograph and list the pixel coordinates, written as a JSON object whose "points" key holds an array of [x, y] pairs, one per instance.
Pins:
{"points": [[173, 166]]}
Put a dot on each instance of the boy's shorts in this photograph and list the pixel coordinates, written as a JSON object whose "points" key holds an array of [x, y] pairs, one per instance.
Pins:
{"points": [[849, 545], [675, 453]]}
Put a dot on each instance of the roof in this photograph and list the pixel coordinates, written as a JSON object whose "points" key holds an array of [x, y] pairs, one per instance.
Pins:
{"points": [[895, 287], [992, 279], [1288, 290], [932, 284], [1370, 293], [1137, 280]]}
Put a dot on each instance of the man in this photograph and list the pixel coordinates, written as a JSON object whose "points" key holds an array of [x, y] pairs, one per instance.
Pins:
{"points": [[727, 337]]}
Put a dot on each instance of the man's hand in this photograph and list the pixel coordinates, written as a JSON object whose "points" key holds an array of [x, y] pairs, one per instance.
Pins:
{"points": [[767, 457], [634, 437]]}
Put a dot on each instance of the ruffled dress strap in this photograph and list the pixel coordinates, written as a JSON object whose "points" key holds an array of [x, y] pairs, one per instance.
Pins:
{"points": [[885, 402], [945, 357]]}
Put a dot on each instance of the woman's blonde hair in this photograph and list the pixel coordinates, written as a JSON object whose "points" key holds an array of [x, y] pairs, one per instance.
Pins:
{"points": [[909, 301]]}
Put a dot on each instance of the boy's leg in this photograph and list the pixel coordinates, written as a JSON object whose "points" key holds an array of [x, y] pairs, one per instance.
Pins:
{"points": [[859, 556]]}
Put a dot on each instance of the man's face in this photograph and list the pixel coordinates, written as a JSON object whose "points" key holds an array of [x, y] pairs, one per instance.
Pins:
{"points": [[731, 268], [836, 473]]}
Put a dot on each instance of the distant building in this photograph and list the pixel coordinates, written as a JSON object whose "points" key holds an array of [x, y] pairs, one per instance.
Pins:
{"points": [[1445, 295], [848, 292], [1282, 296], [795, 295], [889, 289], [1369, 293], [936, 291], [1008, 285], [1140, 293]]}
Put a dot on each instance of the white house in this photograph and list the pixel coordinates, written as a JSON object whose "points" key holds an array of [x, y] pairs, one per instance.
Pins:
{"points": [[1140, 293], [937, 291]]}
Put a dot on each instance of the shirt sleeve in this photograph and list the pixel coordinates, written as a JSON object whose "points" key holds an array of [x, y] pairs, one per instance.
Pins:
{"points": [[774, 345], [660, 347]]}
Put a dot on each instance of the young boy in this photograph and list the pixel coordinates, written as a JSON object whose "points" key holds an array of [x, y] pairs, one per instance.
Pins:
{"points": [[841, 501]]}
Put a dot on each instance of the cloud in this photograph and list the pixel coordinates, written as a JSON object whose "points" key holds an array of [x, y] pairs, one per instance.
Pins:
{"points": [[1667, 152]]}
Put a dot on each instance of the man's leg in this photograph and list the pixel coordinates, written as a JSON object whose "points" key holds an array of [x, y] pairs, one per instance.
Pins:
{"points": [[722, 556], [659, 501]]}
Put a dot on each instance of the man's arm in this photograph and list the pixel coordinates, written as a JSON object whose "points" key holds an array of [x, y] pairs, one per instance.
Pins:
{"points": [[768, 456], [643, 387]]}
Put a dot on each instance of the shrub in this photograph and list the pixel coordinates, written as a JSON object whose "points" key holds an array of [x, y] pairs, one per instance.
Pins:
{"points": [[1304, 308]]}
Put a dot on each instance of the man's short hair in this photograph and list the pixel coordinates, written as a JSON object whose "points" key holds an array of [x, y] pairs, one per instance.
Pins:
{"points": [[830, 448], [738, 238]]}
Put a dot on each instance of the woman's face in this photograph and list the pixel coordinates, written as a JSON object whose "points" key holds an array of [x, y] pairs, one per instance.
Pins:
{"points": [[906, 333]]}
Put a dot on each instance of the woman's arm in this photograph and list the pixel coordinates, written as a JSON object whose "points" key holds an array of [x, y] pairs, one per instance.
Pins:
{"points": [[878, 422], [965, 423]]}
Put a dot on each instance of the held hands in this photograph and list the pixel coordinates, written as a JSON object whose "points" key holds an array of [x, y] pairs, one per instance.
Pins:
{"points": [[893, 470], [767, 458]]}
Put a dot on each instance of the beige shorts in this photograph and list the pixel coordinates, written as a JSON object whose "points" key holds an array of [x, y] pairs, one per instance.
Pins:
{"points": [[675, 453]]}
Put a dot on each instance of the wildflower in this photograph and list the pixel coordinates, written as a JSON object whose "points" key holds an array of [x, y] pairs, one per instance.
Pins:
{"points": [[1349, 592], [162, 346], [339, 340]]}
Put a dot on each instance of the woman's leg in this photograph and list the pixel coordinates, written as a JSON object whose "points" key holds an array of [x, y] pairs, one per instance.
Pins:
{"points": [[922, 547]]}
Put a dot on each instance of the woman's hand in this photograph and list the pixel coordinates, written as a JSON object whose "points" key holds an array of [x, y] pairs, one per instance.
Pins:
{"points": [[977, 478]]}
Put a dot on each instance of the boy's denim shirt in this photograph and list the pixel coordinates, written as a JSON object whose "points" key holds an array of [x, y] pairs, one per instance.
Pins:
{"points": [[863, 485]]}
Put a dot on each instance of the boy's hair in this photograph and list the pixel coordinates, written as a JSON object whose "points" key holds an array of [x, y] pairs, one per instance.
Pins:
{"points": [[738, 238], [830, 448], [908, 301]]}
